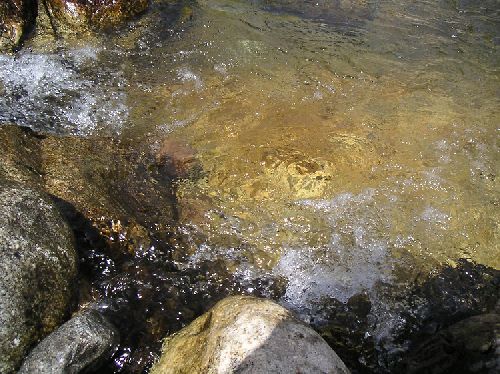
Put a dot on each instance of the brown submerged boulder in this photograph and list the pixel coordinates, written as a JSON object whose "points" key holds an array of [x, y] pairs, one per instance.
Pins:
{"points": [[120, 189], [16, 20]]}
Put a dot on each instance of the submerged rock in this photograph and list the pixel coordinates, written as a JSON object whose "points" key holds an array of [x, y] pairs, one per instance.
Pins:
{"points": [[344, 327], [247, 335], [119, 188], [16, 19], [471, 345], [81, 343], [178, 159], [346, 12], [102, 177], [38, 265]]}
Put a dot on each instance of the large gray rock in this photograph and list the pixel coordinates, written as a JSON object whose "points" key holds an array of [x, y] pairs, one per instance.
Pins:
{"points": [[38, 266], [82, 342], [244, 334]]}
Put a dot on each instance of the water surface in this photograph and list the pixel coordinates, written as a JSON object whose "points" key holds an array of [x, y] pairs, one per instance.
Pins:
{"points": [[343, 146]]}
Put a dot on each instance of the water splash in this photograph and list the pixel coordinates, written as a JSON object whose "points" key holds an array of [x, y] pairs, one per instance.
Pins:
{"points": [[48, 92]]}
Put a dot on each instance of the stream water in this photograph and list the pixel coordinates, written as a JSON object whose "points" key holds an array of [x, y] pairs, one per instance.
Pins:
{"points": [[344, 148]]}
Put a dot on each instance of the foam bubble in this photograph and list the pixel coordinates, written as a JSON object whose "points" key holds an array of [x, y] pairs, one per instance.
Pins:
{"points": [[355, 260]]}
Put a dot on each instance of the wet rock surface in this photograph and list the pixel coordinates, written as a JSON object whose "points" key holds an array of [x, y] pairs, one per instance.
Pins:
{"points": [[82, 343], [120, 204], [388, 133], [105, 178], [470, 345], [20, 155], [17, 18], [247, 335], [148, 297], [344, 327], [447, 319], [38, 264], [73, 16], [122, 191]]}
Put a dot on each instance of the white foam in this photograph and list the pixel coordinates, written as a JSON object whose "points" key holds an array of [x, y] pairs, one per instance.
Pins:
{"points": [[433, 215], [353, 262], [48, 93], [186, 75]]}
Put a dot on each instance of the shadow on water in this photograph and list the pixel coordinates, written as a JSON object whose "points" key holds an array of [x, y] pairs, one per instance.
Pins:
{"points": [[146, 295], [340, 14], [428, 311]]}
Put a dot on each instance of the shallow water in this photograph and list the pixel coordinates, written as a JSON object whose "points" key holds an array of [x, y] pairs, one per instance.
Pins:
{"points": [[345, 146]]}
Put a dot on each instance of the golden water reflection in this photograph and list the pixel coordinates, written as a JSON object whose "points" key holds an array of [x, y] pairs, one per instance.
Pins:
{"points": [[351, 135], [317, 141]]}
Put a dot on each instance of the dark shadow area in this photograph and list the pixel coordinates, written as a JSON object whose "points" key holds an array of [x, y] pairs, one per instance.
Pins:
{"points": [[437, 333], [144, 294], [346, 17]]}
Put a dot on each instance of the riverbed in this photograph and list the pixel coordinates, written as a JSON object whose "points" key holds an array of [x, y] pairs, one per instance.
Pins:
{"points": [[341, 148]]}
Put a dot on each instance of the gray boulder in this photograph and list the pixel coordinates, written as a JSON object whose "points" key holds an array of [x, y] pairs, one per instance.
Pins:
{"points": [[38, 265], [82, 342], [244, 334]]}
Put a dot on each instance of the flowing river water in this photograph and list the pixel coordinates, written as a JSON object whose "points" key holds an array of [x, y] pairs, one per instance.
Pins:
{"points": [[342, 148]]}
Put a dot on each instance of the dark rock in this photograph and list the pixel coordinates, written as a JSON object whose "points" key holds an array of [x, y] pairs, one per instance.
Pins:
{"points": [[16, 20], [344, 328], [452, 295], [470, 345], [38, 267], [333, 12], [81, 343], [455, 294]]}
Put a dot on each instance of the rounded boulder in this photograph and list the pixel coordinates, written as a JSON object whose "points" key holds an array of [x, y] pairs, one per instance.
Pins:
{"points": [[242, 334], [38, 263]]}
